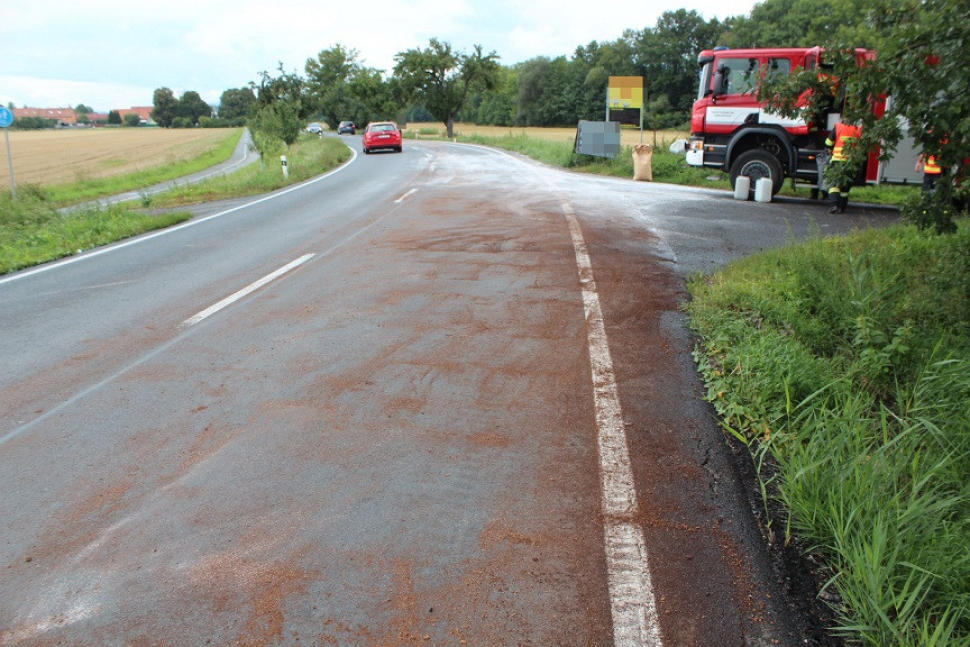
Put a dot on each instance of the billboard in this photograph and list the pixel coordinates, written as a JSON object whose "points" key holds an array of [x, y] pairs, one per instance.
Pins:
{"points": [[625, 92]]}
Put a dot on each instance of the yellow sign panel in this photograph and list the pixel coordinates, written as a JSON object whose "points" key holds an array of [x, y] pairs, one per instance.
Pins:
{"points": [[625, 92]]}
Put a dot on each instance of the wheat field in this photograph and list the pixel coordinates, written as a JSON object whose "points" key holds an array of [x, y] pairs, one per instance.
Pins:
{"points": [[628, 136], [55, 157], [64, 156]]}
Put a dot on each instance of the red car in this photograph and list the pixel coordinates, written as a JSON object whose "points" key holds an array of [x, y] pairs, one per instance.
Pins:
{"points": [[382, 135]]}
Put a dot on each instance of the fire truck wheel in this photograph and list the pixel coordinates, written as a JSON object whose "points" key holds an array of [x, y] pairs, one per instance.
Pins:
{"points": [[757, 164]]}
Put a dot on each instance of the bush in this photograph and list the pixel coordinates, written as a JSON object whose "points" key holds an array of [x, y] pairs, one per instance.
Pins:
{"points": [[33, 123], [844, 364]]}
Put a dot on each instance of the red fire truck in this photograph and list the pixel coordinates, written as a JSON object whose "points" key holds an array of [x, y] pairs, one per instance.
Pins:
{"points": [[732, 131]]}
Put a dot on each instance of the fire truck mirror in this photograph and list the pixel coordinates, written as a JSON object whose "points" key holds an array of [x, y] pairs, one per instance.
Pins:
{"points": [[720, 80]]}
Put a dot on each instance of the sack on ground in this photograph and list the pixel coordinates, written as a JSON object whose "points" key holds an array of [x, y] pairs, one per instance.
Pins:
{"points": [[643, 163]]}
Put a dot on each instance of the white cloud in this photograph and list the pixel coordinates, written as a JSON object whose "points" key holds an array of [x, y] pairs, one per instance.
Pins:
{"points": [[59, 93], [61, 53]]}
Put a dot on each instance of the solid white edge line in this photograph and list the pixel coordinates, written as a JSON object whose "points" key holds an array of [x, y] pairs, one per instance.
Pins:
{"points": [[252, 287], [405, 196], [169, 230], [633, 605]]}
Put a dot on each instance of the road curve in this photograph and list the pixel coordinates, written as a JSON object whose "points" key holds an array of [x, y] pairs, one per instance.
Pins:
{"points": [[388, 426]]}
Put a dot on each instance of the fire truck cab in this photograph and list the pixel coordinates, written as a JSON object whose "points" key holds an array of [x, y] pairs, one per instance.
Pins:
{"points": [[734, 132]]}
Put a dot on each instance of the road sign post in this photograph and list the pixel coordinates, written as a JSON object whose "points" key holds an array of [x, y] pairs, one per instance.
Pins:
{"points": [[6, 118]]}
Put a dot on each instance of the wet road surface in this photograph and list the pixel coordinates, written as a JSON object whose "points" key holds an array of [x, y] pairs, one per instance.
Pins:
{"points": [[396, 439]]}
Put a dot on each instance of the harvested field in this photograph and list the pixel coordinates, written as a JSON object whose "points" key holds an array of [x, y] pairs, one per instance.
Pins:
{"points": [[54, 157], [628, 136]]}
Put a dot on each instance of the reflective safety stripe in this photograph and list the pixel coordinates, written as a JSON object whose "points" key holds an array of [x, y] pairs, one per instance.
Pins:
{"points": [[930, 166], [843, 134]]}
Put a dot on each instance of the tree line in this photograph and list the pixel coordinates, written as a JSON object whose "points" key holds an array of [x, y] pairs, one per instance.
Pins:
{"points": [[428, 83], [441, 84], [542, 91]]}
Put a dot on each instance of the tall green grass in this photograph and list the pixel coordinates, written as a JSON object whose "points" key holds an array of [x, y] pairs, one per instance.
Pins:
{"points": [[33, 230], [844, 366], [94, 188], [307, 158]]}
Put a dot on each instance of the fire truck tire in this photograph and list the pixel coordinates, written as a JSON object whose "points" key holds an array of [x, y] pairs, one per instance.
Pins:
{"points": [[757, 164]]}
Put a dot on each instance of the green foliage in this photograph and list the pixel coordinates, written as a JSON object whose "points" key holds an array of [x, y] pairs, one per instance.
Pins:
{"points": [[131, 120], [666, 55], [236, 104], [845, 364], [114, 118], [923, 52], [191, 108], [280, 111], [33, 230], [165, 108], [442, 79], [496, 107], [308, 157], [340, 88], [33, 123], [803, 23]]}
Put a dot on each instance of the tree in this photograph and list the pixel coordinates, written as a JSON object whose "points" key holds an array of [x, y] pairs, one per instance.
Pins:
{"points": [[803, 23], [328, 77], [280, 111], [533, 75], [191, 107], [114, 118], [82, 109], [921, 62], [441, 79], [267, 126], [666, 55], [165, 108], [131, 120], [236, 103], [496, 107]]}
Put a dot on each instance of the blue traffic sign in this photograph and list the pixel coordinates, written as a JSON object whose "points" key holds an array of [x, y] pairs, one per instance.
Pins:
{"points": [[6, 117]]}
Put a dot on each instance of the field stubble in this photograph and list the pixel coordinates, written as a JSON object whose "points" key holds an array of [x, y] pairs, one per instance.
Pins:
{"points": [[55, 157]]}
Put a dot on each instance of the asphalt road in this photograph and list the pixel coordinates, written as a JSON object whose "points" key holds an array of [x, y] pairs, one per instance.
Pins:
{"points": [[442, 397]]}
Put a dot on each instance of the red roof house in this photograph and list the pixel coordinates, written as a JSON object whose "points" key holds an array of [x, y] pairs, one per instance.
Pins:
{"points": [[63, 116]]}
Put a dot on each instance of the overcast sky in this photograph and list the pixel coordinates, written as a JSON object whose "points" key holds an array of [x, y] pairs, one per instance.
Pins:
{"points": [[111, 55]]}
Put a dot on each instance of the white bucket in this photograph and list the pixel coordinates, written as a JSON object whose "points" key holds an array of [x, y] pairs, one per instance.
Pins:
{"points": [[742, 186], [762, 190]]}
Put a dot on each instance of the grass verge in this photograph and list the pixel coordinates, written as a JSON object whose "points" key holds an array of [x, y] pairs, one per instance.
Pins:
{"points": [[33, 230], [843, 365], [307, 158], [36, 229], [94, 188]]}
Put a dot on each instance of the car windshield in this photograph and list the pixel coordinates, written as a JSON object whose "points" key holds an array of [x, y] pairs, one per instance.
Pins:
{"points": [[379, 128]]}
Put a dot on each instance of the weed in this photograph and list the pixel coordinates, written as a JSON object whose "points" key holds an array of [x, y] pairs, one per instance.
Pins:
{"points": [[844, 365]]}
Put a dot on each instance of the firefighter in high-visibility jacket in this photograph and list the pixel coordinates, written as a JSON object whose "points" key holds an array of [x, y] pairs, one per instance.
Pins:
{"points": [[931, 171], [839, 140]]}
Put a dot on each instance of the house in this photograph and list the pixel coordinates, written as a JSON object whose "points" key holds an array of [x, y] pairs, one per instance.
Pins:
{"points": [[67, 117], [144, 114], [63, 116]]}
